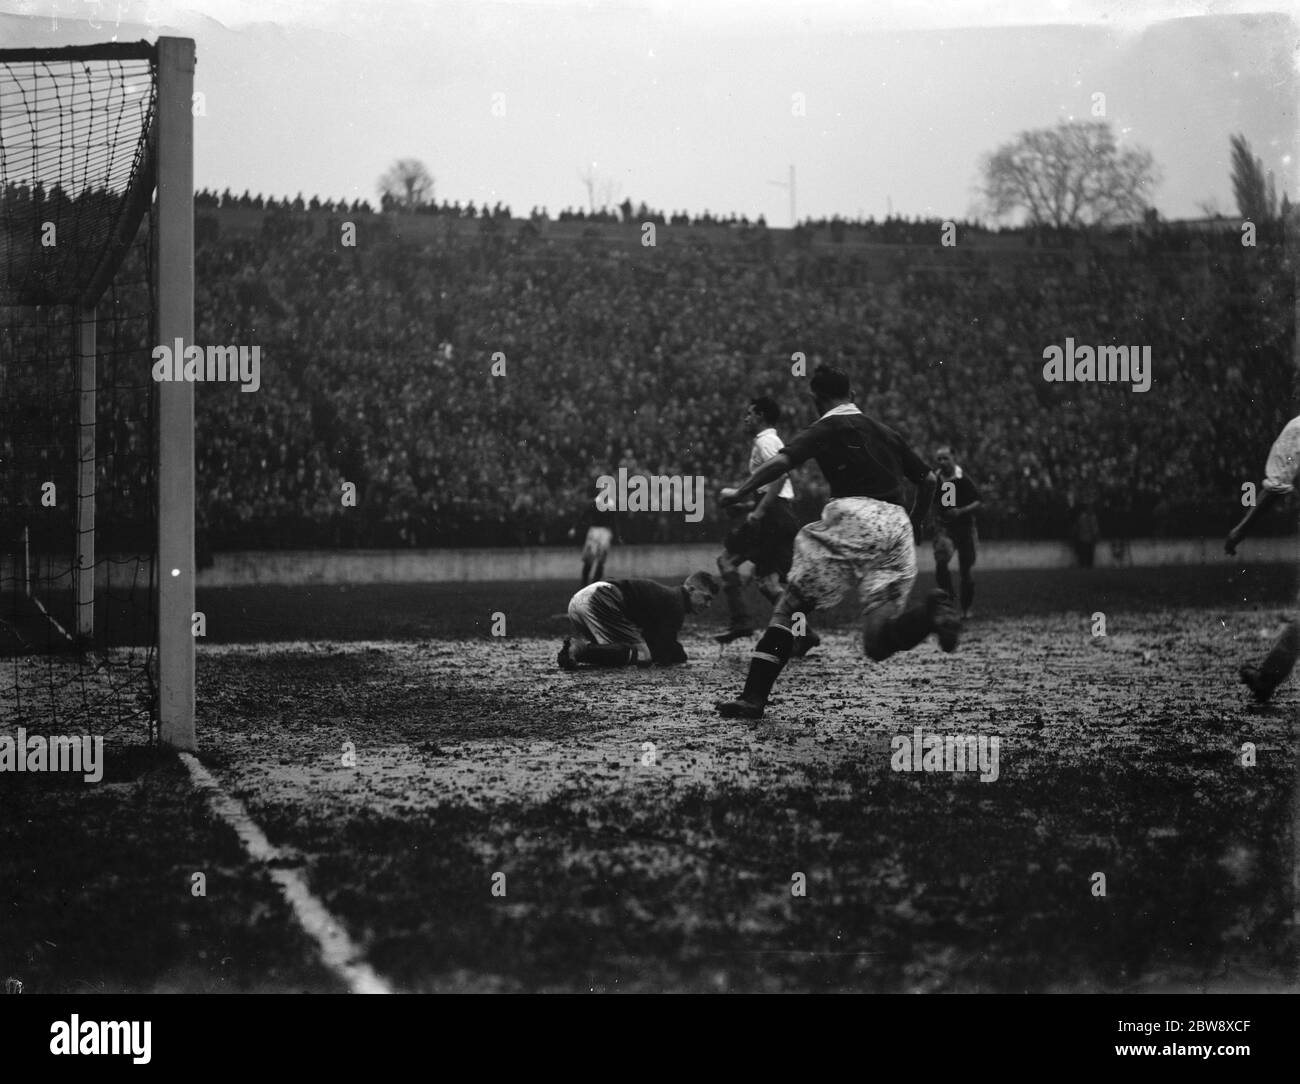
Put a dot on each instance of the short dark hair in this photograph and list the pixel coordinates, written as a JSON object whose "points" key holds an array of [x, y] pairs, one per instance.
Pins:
{"points": [[766, 408], [830, 383]]}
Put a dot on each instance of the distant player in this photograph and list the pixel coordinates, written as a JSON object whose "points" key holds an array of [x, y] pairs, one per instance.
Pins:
{"points": [[1280, 472], [954, 513], [864, 540], [765, 536], [633, 622], [600, 532]]}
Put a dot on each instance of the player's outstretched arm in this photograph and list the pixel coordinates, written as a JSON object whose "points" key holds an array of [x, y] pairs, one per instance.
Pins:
{"points": [[768, 471], [769, 498]]}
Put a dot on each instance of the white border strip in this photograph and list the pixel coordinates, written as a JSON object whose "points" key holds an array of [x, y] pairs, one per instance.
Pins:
{"points": [[338, 952]]}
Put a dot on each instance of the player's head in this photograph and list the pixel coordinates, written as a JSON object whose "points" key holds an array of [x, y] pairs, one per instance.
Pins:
{"points": [[701, 587], [763, 413], [944, 458], [830, 387]]}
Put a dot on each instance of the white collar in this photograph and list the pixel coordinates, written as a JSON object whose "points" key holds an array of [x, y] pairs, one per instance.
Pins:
{"points": [[843, 408], [763, 432]]}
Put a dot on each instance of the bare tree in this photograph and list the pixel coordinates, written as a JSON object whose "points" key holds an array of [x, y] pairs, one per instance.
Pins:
{"points": [[1256, 195], [406, 185], [1073, 175], [601, 191]]}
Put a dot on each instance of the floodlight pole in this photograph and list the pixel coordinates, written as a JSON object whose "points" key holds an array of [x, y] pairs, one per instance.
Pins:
{"points": [[174, 267]]}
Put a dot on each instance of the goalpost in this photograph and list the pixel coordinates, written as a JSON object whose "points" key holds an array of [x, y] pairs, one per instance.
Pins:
{"points": [[96, 458]]}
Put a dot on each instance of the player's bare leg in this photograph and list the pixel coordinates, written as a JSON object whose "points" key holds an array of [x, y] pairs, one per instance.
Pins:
{"points": [[772, 587]]}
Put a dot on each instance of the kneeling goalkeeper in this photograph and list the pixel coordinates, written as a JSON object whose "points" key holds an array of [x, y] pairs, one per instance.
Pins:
{"points": [[633, 622]]}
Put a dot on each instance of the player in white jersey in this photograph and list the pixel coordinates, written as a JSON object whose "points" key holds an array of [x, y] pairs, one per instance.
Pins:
{"points": [[765, 536], [1279, 479]]}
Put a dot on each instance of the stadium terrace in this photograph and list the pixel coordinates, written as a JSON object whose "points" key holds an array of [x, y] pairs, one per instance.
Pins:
{"points": [[656, 493], [1110, 364], [218, 365]]}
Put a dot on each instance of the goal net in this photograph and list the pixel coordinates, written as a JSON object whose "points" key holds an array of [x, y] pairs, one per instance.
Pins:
{"points": [[82, 237]]}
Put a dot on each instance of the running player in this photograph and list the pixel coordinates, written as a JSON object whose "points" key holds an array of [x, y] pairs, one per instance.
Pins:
{"points": [[863, 541], [954, 514], [633, 621], [1280, 472], [766, 535], [600, 529]]}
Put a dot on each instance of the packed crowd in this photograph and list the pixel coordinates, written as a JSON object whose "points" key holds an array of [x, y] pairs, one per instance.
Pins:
{"points": [[378, 370]]}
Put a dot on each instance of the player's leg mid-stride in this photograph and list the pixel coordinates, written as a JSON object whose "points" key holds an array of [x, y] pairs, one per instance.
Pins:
{"points": [[861, 544]]}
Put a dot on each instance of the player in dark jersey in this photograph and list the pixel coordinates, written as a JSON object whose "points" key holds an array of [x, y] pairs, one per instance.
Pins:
{"points": [[599, 530], [633, 621], [863, 541], [954, 513]]}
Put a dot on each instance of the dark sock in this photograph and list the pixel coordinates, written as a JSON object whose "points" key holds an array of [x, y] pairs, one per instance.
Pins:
{"points": [[770, 655], [902, 633], [734, 592], [967, 593], [1277, 665], [943, 577], [602, 654]]}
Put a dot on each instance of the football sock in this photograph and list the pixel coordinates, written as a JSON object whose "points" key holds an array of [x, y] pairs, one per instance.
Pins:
{"points": [[967, 592], [770, 655], [733, 592], [1279, 661], [602, 654]]}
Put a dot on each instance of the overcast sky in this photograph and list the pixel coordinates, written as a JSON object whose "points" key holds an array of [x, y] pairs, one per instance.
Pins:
{"points": [[693, 105]]}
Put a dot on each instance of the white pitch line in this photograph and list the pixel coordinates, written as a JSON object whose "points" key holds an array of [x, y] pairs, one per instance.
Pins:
{"points": [[337, 949]]}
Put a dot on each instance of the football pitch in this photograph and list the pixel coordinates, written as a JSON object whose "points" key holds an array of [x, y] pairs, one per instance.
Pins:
{"points": [[478, 820]]}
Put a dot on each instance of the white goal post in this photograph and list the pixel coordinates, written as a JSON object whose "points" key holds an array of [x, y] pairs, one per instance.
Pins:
{"points": [[174, 267]]}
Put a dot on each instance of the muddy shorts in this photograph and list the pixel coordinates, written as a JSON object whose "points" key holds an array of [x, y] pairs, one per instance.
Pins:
{"points": [[597, 543], [596, 614], [861, 545]]}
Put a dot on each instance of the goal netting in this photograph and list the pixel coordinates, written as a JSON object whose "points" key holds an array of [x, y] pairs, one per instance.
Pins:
{"points": [[79, 410]]}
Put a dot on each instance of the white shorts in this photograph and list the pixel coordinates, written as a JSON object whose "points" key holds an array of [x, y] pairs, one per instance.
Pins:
{"points": [[596, 614], [596, 546], [859, 544]]}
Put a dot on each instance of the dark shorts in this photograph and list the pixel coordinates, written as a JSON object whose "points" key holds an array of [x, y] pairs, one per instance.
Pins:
{"points": [[768, 543], [962, 544]]}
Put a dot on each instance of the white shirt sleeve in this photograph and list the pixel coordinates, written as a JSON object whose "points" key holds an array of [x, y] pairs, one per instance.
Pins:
{"points": [[1283, 460]]}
